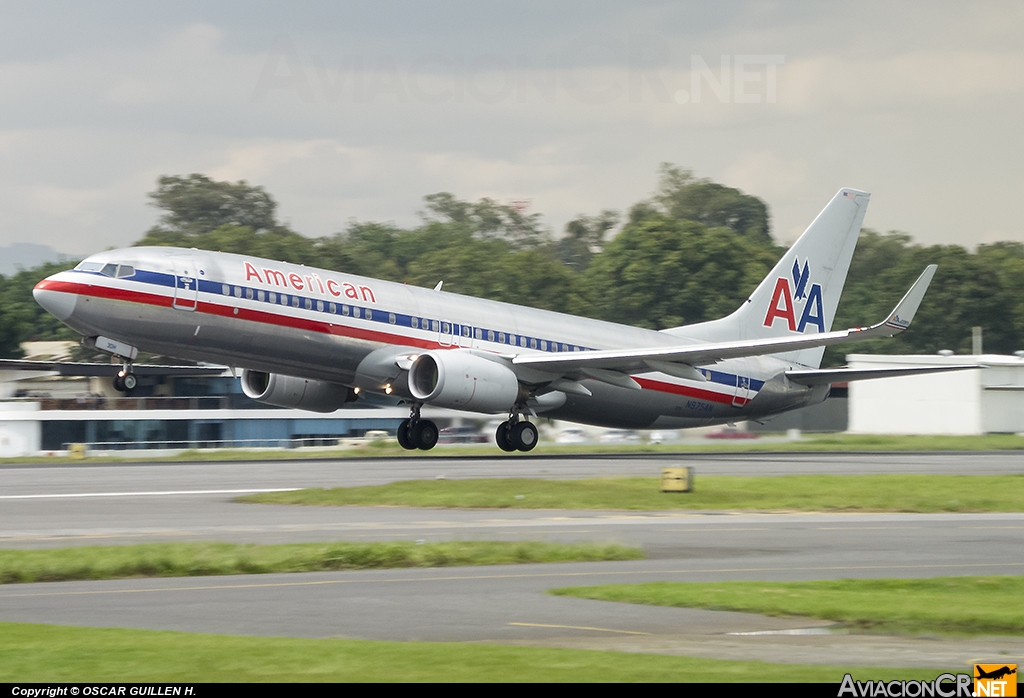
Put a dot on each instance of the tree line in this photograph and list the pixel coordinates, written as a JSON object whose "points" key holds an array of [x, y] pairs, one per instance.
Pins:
{"points": [[692, 251]]}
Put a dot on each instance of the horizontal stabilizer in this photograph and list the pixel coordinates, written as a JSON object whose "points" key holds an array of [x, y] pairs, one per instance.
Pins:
{"points": [[826, 376]]}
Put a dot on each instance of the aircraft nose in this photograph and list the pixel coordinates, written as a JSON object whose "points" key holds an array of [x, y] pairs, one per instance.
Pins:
{"points": [[60, 304]]}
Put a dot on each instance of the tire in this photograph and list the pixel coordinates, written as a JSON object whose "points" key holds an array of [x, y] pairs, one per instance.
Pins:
{"points": [[524, 436], [424, 435], [404, 438], [119, 384], [129, 382], [502, 437]]}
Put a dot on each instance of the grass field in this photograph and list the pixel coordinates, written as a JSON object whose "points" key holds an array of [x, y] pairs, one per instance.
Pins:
{"points": [[38, 653], [909, 493], [203, 559], [962, 605], [391, 449]]}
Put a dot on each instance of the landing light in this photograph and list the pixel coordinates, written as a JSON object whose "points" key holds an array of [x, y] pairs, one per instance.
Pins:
{"points": [[387, 389]]}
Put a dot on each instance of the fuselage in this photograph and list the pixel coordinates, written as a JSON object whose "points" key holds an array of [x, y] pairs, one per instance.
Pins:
{"points": [[312, 323]]}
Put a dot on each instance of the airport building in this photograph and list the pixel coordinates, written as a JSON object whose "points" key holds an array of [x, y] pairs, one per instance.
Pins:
{"points": [[985, 400], [44, 412]]}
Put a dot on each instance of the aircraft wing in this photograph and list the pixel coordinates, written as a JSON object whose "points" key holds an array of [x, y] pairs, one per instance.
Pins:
{"points": [[83, 368], [613, 365]]}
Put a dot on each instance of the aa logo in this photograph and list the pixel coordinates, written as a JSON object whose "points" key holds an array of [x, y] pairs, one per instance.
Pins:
{"points": [[789, 296], [995, 680]]}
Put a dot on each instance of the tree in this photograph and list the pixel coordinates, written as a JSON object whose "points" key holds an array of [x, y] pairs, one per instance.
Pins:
{"points": [[584, 236], [663, 272], [197, 204], [21, 318], [680, 195], [486, 219]]}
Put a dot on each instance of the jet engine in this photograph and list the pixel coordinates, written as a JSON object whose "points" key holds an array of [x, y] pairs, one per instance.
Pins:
{"points": [[289, 391], [462, 380]]}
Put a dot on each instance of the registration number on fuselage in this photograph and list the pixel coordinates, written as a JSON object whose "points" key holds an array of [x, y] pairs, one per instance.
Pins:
{"points": [[698, 406]]}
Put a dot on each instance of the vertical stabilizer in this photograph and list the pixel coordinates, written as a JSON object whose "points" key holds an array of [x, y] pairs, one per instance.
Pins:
{"points": [[801, 294]]}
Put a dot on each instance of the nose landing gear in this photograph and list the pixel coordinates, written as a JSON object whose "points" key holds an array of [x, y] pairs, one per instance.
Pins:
{"points": [[125, 381]]}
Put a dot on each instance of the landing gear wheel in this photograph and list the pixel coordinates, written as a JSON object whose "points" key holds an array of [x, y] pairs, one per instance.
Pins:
{"points": [[404, 437], [129, 382], [424, 435], [119, 384], [524, 436], [501, 437]]}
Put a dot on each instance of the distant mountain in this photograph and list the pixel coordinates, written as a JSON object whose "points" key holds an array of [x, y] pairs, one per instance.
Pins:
{"points": [[25, 255]]}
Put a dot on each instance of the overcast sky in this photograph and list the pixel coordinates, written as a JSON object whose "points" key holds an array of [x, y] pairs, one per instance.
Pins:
{"points": [[356, 110]]}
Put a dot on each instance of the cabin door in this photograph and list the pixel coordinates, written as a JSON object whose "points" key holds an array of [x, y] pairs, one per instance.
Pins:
{"points": [[186, 282]]}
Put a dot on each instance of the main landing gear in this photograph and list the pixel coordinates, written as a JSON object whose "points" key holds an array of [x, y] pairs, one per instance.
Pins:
{"points": [[416, 433], [516, 435]]}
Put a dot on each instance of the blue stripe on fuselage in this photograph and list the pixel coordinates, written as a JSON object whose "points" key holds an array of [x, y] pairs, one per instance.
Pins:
{"points": [[220, 288]]}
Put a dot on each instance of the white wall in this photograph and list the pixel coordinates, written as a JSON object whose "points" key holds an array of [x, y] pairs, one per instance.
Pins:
{"points": [[973, 401], [20, 439]]}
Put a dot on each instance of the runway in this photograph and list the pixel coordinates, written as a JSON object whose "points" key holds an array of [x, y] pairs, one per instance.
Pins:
{"points": [[123, 503]]}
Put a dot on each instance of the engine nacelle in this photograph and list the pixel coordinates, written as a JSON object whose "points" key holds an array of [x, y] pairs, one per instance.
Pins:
{"points": [[289, 391], [461, 380]]}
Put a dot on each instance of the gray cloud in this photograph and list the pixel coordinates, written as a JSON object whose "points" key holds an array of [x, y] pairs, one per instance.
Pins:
{"points": [[357, 110]]}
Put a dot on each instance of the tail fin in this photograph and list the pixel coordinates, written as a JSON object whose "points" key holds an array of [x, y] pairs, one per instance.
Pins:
{"points": [[801, 294]]}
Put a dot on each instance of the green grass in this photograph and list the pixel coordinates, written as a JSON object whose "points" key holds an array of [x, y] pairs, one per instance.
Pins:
{"points": [[963, 605], [808, 443], [202, 559], [910, 493], [38, 653]]}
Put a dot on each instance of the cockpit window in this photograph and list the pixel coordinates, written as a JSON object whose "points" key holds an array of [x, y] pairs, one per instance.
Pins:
{"points": [[117, 271], [89, 266]]}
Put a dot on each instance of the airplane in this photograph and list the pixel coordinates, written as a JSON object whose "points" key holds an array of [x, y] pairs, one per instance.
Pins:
{"points": [[995, 673], [316, 339]]}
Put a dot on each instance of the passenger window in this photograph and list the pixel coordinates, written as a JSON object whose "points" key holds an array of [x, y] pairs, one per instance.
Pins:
{"points": [[309, 304], [272, 297], [368, 314], [392, 319], [332, 308], [225, 289], [490, 335], [295, 301], [344, 310], [320, 306], [261, 295], [355, 311], [533, 343], [248, 293], [414, 322]]}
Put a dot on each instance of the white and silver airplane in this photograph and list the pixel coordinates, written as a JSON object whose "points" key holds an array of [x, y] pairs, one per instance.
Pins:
{"points": [[315, 339]]}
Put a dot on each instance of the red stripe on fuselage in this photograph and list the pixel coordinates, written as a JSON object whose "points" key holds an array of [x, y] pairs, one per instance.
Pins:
{"points": [[299, 323], [699, 393]]}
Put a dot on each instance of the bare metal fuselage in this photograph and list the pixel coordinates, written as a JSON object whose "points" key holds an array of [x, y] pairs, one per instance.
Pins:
{"points": [[281, 318]]}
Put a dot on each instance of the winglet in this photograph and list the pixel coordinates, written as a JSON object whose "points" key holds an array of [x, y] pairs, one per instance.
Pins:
{"points": [[905, 310]]}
